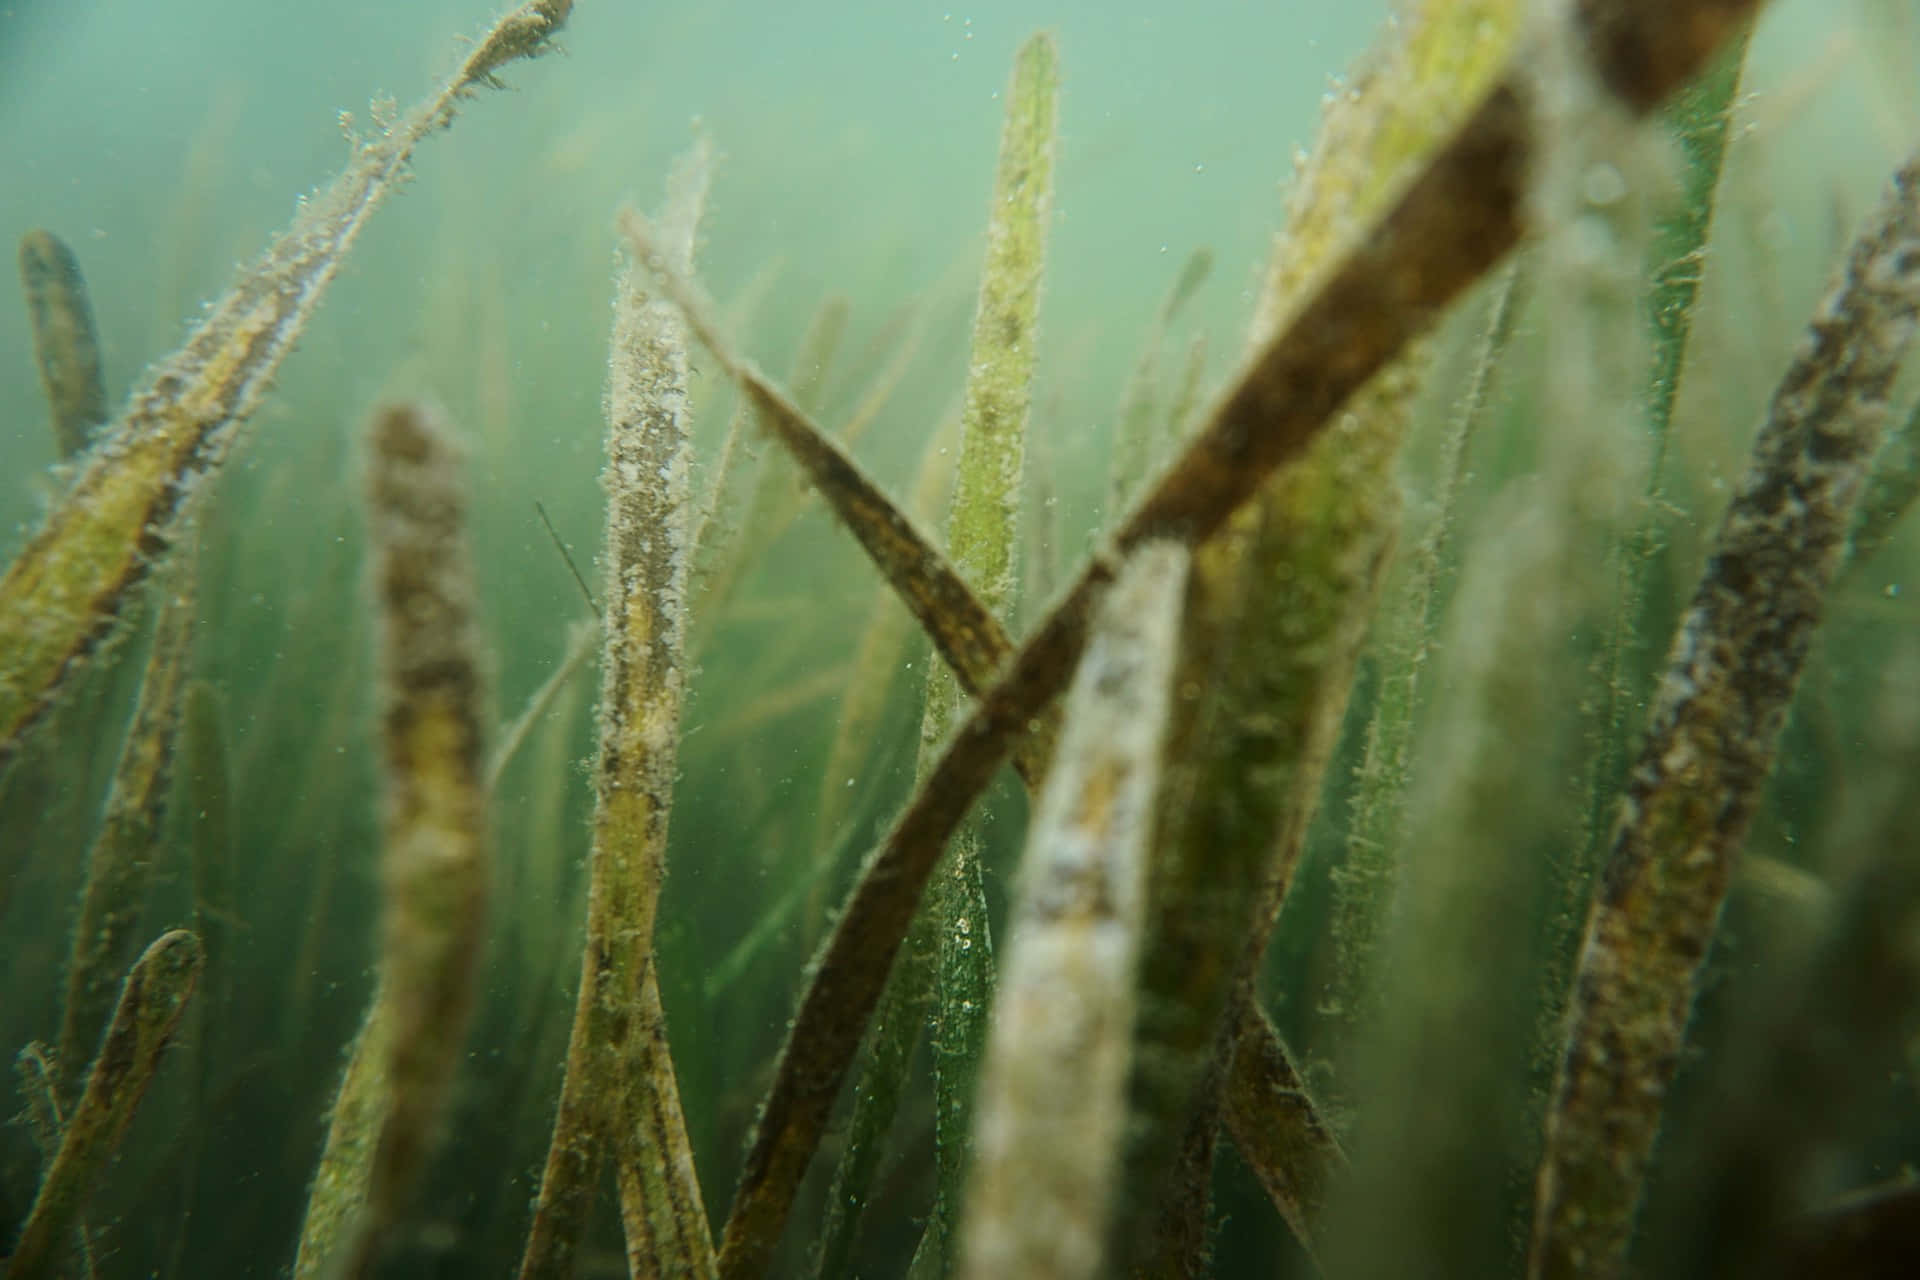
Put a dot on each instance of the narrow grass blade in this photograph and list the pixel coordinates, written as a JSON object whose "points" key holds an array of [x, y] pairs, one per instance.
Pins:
{"points": [[1365, 880], [983, 536], [120, 864], [45, 1118], [337, 1198], [386, 1112], [983, 518], [901, 1012], [47, 1121], [772, 499], [1700, 118], [206, 795], [953, 944], [434, 864], [1456, 216], [64, 593], [1138, 426], [618, 1096], [818, 347], [1456, 1017], [964, 630], [712, 545], [1282, 599], [729, 488], [188, 224], [660, 1206], [202, 801], [308, 824], [1892, 487], [860, 418], [1186, 393], [731, 560], [846, 980], [151, 1002], [546, 886], [580, 641], [1713, 731], [877, 654], [897, 1021], [1053, 1085], [1281, 603], [1279, 1130], [963, 990], [566, 556], [772, 922], [64, 342], [775, 705]]}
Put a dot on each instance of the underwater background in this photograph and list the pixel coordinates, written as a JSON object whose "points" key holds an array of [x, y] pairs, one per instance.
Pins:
{"points": [[843, 242]]}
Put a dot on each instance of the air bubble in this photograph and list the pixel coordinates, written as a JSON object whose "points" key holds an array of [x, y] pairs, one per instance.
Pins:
{"points": [[1603, 185]]}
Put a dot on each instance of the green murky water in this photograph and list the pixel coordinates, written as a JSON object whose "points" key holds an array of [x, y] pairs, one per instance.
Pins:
{"points": [[166, 143]]}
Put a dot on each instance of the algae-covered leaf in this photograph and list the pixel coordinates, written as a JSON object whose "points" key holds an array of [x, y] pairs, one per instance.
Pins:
{"points": [[983, 538], [385, 1118], [1281, 602], [1712, 735], [1453, 220], [1276, 1126], [1456, 216], [69, 586], [618, 1098], [64, 342], [152, 1001], [1052, 1106], [120, 863]]}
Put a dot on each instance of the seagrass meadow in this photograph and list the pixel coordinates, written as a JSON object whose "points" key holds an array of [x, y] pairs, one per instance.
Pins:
{"points": [[1033, 641]]}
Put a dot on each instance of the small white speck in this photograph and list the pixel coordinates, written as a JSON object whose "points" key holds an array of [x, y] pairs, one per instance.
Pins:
{"points": [[1603, 185]]}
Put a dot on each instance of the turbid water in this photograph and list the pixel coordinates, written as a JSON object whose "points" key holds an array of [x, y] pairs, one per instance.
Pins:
{"points": [[843, 240]]}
